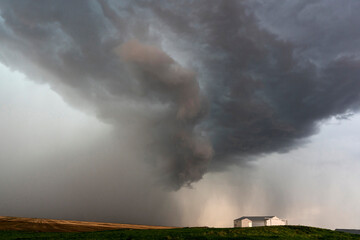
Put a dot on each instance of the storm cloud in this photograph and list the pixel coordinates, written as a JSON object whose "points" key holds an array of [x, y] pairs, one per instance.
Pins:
{"points": [[203, 84]]}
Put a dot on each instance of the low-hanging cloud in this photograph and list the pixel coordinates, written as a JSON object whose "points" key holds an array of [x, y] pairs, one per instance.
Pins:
{"points": [[242, 90], [185, 152]]}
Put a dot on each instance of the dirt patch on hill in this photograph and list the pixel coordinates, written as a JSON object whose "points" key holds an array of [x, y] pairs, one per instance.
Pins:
{"points": [[52, 225]]}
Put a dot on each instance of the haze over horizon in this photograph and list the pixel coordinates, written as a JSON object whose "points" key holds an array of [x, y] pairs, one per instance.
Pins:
{"points": [[180, 113]]}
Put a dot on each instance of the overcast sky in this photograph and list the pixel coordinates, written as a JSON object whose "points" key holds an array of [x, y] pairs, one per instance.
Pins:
{"points": [[180, 113]]}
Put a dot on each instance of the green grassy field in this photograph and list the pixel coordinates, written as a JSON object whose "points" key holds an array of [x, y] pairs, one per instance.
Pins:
{"points": [[284, 232]]}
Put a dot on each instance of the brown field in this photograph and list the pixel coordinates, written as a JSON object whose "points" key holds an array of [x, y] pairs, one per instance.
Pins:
{"points": [[52, 225]]}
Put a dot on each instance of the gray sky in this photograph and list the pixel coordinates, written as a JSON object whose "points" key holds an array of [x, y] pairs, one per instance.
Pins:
{"points": [[142, 112]]}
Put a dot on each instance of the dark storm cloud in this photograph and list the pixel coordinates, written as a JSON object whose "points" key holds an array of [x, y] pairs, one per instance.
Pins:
{"points": [[244, 89], [186, 154], [265, 94]]}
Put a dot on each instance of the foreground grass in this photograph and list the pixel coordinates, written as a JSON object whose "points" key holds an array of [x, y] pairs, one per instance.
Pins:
{"points": [[275, 232]]}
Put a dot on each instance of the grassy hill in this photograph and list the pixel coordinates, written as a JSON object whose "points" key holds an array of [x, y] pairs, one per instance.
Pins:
{"points": [[37, 228], [275, 232]]}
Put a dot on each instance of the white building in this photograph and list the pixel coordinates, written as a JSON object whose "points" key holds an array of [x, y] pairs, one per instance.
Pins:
{"points": [[258, 221]]}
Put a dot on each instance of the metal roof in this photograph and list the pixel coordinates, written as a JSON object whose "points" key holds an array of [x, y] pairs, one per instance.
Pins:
{"points": [[255, 218]]}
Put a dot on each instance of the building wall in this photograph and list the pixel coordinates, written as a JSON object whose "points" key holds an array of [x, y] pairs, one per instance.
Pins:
{"points": [[275, 221], [246, 223], [243, 223], [258, 223]]}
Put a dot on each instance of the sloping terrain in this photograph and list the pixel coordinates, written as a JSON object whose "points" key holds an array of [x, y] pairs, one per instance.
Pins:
{"points": [[51, 225], [263, 233], [33, 228]]}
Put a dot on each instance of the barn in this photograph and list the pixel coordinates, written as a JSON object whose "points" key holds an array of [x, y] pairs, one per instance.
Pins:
{"points": [[257, 221]]}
